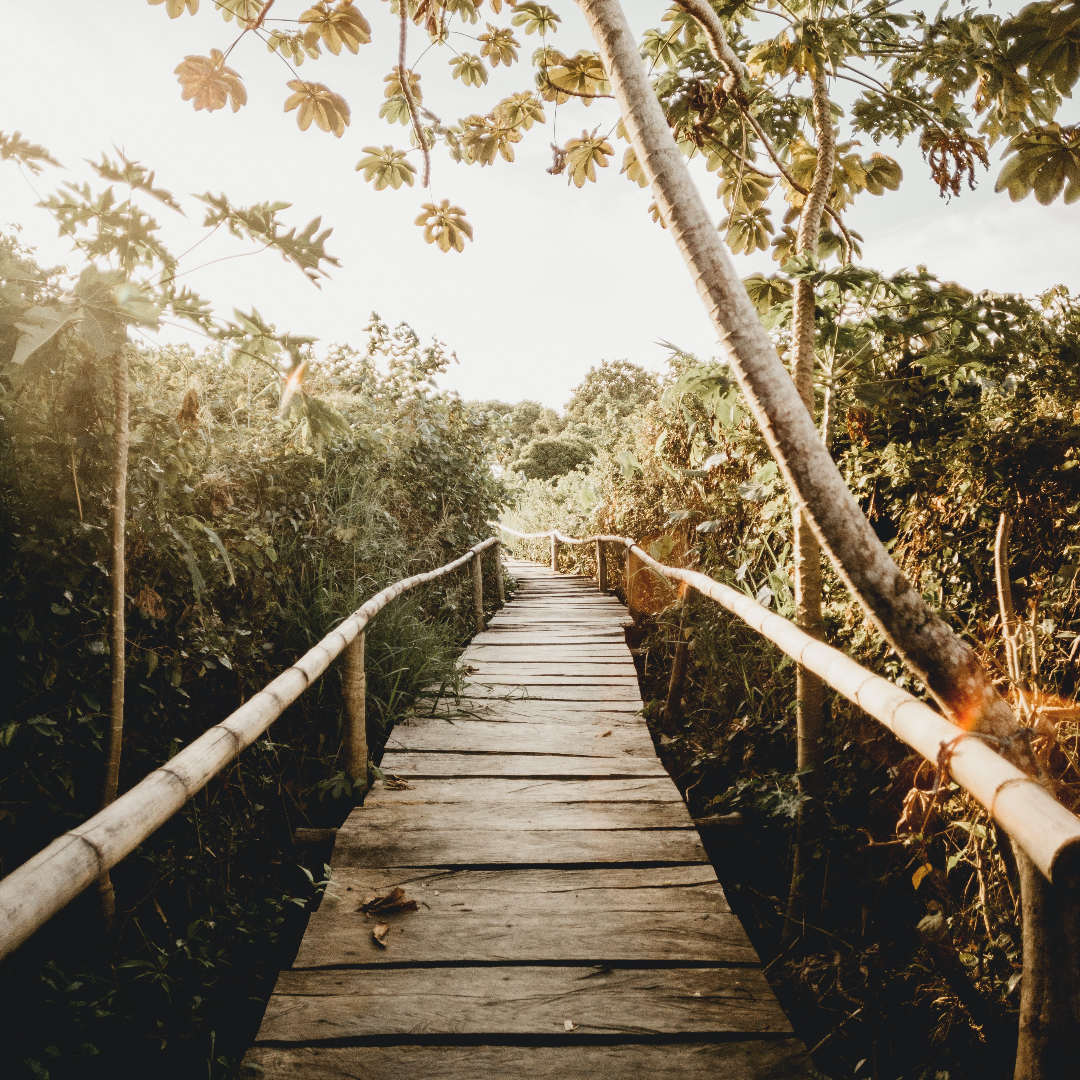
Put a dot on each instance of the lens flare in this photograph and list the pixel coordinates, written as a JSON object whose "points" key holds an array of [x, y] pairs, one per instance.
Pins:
{"points": [[292, 384]]}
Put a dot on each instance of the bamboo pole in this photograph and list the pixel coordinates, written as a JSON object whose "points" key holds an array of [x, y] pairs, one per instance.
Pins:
{"points": [[32, 893], [1009, 630], [673, 705], [500, 585], [354, 684], [117, 599], [1032, 817], [601, 567], [478, 591]]}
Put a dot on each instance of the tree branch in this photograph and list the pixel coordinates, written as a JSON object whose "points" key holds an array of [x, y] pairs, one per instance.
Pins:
{"points": [[406, 89]]}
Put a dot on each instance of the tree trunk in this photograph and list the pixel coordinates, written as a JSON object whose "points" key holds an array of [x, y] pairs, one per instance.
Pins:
{"points": [[810, 691], [1050, 988], [1050, 914], [117, 575], [673, 706]]}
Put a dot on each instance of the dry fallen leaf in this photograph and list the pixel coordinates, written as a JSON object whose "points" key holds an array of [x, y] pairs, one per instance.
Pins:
{"points": [[395, 783], [568, 1024], [602, 735], [392, 902], [380, 932]]}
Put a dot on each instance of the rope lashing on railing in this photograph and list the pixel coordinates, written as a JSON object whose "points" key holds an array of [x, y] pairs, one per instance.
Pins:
{"points": [[1031, 816], [31, 894]]}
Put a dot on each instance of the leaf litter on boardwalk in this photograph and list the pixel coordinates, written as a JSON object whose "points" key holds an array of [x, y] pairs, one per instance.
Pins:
{"points": [[393, 902]]}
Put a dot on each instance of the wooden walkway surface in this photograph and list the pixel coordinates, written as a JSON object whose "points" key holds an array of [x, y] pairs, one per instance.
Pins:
{"points": [[568, 921]]}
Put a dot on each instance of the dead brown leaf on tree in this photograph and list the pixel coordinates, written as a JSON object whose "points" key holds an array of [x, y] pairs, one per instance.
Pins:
{"points": [[188, 416], [149, 603], [394, 901]]}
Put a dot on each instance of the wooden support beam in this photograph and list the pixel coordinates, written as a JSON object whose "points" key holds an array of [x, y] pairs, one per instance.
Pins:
{"points": [[354, 685], [554, 552], [499, 574], [601, 567], [478, 591]]}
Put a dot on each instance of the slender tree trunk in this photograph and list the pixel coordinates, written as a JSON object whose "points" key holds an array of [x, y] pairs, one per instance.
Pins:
{"points": [[929, 648], [810, 691], [1050, 914], [117, 575], [1050, 988]]}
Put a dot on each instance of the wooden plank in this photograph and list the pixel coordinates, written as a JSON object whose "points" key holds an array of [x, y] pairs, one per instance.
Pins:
{"points": [[744, 1059], [308, 1006], [538, 704], [565, 916], [519, 816], [552, 637], [569, 618], [565, 665], [520, 766], [497, 711], [372, 848], [615, 652], [648, 790], [592, 739], [524, 678], [519, 691]]}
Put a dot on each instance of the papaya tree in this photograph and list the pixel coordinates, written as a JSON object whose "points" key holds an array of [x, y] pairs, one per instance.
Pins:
{"points": [[130, 281]]}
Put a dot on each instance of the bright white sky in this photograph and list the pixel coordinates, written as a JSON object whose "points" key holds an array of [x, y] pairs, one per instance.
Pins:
{"points": [[557, 278]]}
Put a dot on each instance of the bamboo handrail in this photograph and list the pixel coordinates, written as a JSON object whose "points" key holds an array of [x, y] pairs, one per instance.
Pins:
{"points": [[35, 891], [1030, 815]]}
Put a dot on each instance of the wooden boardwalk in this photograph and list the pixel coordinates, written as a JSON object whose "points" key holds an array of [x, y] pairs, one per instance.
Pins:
{"points": [[568, 921]]}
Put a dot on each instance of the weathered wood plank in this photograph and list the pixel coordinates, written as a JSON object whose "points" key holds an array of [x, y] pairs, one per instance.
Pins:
{"points": [[522, 766], [565, 667], [369, 848], [522, 690], [308, 1006], [591, 739], [564, 916], [518, 816], [539, 652], [527, 709], [541, 703], [744, 1059], [552, 636], [647, 790], [510, 677]]}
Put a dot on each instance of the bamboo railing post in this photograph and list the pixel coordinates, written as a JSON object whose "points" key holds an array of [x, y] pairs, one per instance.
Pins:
{"points": [[354, 684], [601, 567], [554, 552], [478, 591], [500, 587], [673, 706]]}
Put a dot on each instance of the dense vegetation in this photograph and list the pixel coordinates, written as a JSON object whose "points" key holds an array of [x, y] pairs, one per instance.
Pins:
{"points": [[249, 534], [943, 408]]}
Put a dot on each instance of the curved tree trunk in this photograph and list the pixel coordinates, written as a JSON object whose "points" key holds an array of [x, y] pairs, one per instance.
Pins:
{"points": [[810, 691], [117, 576], [931, 650]]}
